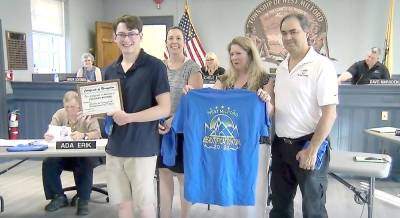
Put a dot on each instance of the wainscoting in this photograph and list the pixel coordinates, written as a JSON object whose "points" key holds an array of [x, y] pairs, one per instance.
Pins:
{"points": [[360, 108], [36, 102]]}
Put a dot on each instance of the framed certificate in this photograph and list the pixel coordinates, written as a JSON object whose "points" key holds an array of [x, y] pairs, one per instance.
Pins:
{"points": [[98, 98]]}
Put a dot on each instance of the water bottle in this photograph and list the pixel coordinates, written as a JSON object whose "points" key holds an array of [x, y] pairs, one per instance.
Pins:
{"points": [[56, 79]]}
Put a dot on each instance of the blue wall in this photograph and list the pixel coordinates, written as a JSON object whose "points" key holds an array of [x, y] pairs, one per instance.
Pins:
{"points": [[360, 108], [37, 103]]}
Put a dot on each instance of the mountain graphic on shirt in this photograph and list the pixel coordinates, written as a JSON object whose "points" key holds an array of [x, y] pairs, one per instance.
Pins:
{"points": [[222, 125]]}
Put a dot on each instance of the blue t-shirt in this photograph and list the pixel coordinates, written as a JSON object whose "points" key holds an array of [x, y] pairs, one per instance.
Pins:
{"points": [[221, 131]]}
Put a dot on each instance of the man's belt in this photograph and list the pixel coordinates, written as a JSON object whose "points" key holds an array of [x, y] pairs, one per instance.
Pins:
{"points": [[293, 141]]}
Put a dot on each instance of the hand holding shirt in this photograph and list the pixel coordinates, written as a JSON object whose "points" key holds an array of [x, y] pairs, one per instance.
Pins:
{"points": [[221, 131]]}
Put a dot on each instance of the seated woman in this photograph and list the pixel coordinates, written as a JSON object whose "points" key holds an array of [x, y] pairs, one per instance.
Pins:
{"points": [[211, 70], [82, 167], [88, 70]]}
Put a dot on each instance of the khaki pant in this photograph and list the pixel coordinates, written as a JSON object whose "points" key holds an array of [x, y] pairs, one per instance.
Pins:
{"points": [[131, 179]]}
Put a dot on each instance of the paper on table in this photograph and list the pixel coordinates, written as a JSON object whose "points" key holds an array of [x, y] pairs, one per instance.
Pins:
{"points": [[60, 133], [3, 142], [384, 129]]}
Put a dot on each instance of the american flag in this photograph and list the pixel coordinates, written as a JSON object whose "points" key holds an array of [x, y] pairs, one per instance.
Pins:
{"points": [[194, 49]]}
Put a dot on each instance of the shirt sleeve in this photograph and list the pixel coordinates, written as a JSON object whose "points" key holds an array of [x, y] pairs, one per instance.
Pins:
{"points": [[93, 126], [327, 86], [160, 80], [353, 69], [191, 68], [57, 119]]}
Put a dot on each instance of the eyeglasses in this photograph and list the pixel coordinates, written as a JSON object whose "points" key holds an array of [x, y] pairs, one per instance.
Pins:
{"points": [[209, 59], [131, 35]]}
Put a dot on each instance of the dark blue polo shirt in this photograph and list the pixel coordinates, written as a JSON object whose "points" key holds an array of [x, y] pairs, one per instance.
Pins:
{"points": [[146, 79], [362, 74]]}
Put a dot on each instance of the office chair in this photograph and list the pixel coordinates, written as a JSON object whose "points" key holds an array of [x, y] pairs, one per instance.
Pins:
{"points": [[98, 187], [101, 187]]}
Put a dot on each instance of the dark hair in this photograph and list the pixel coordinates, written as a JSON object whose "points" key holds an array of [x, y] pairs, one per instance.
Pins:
{"points": [[174, 28], [132, 22], [305, 25]]}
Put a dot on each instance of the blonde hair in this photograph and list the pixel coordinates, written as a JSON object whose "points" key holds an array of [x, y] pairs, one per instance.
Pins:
{"points": [[255, 70], [68, 96], [214, 66]]}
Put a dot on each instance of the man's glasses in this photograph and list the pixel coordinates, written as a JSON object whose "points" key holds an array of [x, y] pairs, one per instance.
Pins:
{"points": [[131, 35], [209, 59]]}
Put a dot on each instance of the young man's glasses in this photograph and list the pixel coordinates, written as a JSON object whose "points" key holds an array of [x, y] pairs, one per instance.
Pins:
{"points": [[131, 35]]}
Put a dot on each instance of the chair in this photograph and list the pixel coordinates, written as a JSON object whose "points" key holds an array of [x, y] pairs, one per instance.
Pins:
{"points": [[101, 187]]}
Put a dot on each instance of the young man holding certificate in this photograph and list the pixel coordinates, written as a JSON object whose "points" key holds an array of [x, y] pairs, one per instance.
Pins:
{"points": [[133, 144]]}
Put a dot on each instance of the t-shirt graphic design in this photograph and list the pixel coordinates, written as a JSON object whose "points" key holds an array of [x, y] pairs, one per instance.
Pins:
{"points": [[221, 132]]}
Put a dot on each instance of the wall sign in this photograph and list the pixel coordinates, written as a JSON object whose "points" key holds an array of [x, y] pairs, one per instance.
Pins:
{"points": [[262, 26]]}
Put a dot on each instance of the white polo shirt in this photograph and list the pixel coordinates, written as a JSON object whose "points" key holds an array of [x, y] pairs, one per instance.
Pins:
{"points": [[300, 94]]}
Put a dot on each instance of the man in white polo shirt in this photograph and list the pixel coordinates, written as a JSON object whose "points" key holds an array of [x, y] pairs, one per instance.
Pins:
{"points": [[305, 98]]}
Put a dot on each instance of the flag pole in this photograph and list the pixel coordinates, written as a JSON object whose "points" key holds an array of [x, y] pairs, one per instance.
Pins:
{"points": [[187, 9], [187, 6], [388, 58]]}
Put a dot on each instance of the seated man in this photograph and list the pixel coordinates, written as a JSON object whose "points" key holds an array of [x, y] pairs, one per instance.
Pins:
{"points": [[362, 71], [82, 167]]}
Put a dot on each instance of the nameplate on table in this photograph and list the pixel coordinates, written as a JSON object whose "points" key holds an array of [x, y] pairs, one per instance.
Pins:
{"points": [[75, 145], [76, 79], [384, 81]]}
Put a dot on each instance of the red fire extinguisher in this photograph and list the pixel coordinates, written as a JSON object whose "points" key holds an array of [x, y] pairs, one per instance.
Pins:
{"points": [[9, 75], [13, 129]]}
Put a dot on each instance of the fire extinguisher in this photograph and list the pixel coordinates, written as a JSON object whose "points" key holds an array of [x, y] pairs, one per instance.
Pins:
{"points": [[9, 75], [13, 129]]}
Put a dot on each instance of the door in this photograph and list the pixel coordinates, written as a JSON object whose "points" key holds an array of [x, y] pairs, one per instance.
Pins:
{"points": [[106, 49]]}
